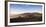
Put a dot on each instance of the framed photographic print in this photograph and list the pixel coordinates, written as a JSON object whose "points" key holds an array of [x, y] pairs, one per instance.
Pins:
{"points": [[24, 13]]}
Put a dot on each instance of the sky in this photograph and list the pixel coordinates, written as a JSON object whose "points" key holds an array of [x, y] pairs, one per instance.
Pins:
{"points": [[24, 8]]}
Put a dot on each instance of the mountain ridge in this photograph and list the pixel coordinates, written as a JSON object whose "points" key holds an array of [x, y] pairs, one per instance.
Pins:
{"points": [[26, 15]]}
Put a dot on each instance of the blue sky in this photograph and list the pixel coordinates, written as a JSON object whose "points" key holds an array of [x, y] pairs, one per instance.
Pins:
{"points": [[22, 8]]}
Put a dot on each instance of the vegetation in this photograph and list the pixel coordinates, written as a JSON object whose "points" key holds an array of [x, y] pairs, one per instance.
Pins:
{"points": [[28, 18]]}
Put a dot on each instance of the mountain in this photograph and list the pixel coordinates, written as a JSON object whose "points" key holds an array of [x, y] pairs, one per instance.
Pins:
{"points": [[26, 15]]}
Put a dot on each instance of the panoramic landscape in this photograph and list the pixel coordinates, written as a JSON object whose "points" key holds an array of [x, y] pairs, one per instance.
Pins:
{"points": [[25, 13]]}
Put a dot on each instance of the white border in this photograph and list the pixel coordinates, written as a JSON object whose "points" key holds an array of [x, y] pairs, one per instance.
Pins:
{"points": [[25, 22]]}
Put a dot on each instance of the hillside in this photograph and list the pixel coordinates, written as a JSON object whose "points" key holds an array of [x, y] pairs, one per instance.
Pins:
{"points": [[26, 17]]}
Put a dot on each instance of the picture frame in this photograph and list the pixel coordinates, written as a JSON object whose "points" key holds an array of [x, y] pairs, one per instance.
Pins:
{"points": [[13, 2]]}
